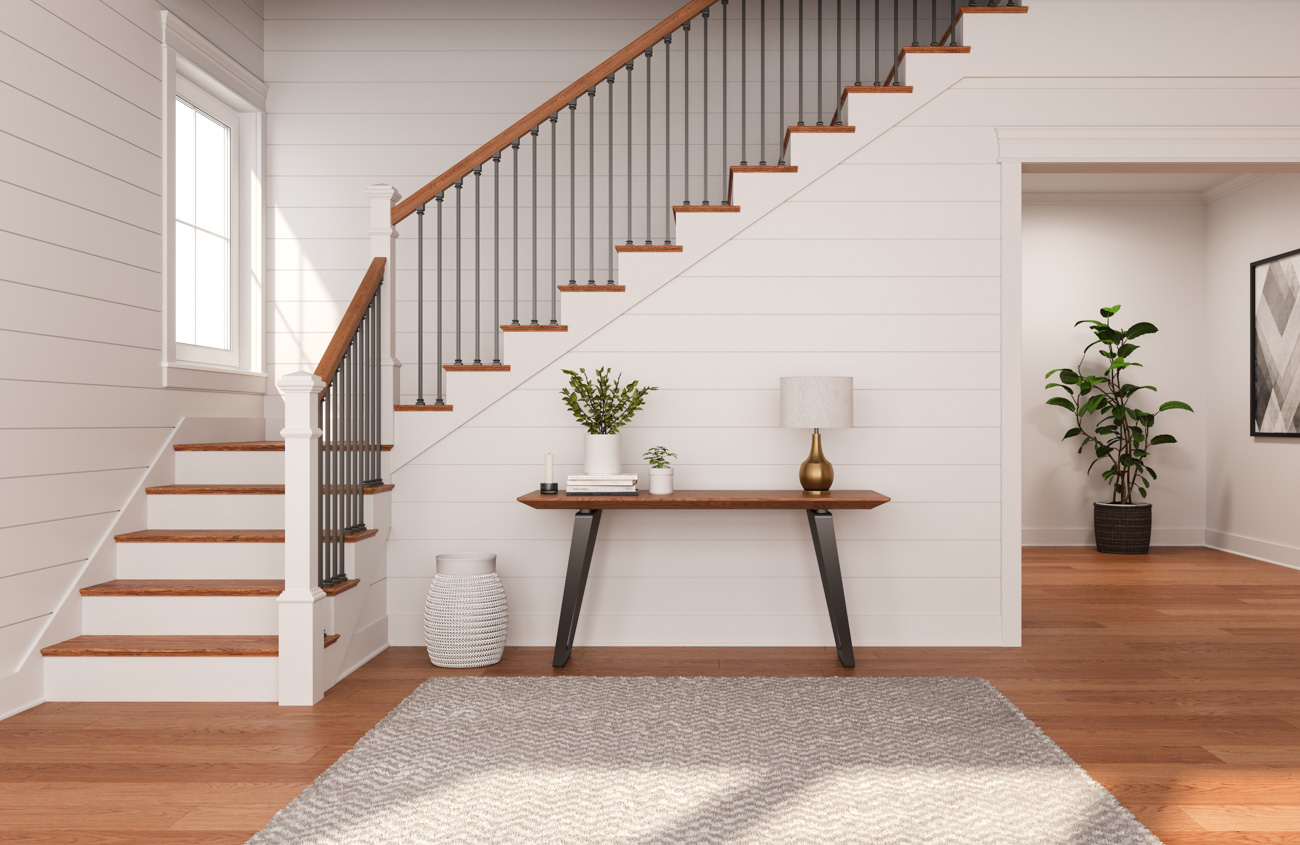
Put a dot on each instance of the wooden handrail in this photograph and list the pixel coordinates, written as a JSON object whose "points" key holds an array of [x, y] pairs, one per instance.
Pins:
{"points": [[333, 357], [538, 115]]}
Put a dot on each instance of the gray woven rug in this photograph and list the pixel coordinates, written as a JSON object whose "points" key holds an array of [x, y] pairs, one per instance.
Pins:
{"points": [[693, 760]]}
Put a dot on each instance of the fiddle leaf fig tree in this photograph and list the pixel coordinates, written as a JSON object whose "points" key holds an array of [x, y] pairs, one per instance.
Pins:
{"points": [[1106, 413]]}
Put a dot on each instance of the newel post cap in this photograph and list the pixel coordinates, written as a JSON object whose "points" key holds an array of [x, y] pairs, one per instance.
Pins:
{"points": [[300, 382], [382, 191]]}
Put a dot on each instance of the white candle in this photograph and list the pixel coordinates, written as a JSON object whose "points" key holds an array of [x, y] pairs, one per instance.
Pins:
{"points": [[550, 468]]}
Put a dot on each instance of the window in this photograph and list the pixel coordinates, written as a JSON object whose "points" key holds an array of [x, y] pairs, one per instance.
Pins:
{"points": [[206, 293], [213, 243]]}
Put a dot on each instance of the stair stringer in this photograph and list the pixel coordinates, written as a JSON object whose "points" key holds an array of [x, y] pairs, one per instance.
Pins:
{"points": [[757, 194]]}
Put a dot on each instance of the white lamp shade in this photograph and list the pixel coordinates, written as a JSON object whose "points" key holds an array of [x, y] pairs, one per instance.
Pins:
{"points": [[816, 402]]}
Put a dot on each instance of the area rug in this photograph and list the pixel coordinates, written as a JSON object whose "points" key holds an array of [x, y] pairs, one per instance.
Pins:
{"points": [[694, 760]]}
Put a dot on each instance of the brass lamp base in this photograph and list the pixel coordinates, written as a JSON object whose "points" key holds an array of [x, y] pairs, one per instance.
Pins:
{"points": [[816, 474]]}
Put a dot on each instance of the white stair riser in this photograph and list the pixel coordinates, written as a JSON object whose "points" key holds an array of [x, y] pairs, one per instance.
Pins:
{"points": [[161, 679], [221, 510], [200, 560], [190, 615], [230, 467]]}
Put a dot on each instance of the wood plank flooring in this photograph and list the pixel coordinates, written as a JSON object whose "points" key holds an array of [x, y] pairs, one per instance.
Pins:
{"points": [[1174, 679]]}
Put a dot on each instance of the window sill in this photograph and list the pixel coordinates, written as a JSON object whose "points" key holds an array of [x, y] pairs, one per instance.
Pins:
{"points": [[183, 375]]}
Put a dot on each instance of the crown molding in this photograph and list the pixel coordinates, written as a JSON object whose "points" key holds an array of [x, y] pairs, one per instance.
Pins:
{"points": [[1231, 186], [1113, 198], [190, 46]]}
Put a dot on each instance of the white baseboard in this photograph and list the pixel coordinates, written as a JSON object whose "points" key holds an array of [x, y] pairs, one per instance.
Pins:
{"points": [[22, 690], [1288, 556], [1085, 537]]}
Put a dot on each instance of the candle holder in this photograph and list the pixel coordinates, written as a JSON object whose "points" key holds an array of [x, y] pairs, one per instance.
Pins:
{"points": [[550, 489]]}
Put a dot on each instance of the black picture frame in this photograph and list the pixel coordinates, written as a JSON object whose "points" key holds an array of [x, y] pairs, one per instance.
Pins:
{"points": [[1255, 373]]}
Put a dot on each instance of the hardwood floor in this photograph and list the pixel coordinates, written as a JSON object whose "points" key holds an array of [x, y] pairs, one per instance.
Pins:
{"points": [[1171, 678]]}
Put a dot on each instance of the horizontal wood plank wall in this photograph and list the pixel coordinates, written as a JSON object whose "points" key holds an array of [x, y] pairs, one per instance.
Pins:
{"points": [[83, 409]]}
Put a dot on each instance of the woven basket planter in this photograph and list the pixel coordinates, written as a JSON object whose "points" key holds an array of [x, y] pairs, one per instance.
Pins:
{"points": [[465, 612], [1122, 529]]}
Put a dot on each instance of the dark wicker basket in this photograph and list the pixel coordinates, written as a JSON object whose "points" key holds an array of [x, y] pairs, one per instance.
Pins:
{"points": [[1122, 529]]}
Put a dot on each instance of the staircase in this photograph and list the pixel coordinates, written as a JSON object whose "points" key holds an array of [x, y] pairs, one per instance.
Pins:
{"points": [[192, 614], [260, 550]]}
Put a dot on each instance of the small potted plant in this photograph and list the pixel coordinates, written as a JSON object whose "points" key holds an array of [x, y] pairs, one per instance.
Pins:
{"points": [[661, 470], [1121, 432], [602, 406]]}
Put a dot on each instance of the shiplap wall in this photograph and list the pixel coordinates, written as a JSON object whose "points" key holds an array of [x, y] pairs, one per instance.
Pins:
{"points": [[83, 409]]}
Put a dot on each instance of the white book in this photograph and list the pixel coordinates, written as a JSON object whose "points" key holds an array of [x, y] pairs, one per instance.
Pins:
{"points": [[599, 488], [618, 480]]}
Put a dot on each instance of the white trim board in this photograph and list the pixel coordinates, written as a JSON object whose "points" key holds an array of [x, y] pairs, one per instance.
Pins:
{"points": [[1275, 553]]}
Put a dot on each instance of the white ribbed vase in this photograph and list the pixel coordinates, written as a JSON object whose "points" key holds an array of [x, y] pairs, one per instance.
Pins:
{"points": [[465, 612]]}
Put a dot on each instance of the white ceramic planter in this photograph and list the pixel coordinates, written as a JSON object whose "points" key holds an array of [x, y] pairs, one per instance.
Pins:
{"points": [[601, 454], [661, 481], [465, 613]]}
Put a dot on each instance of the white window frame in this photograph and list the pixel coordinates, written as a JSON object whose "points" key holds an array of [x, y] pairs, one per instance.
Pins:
{"points": [[195, 69]]}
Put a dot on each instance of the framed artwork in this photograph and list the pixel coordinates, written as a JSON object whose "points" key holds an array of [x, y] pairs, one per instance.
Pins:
{"points": [[1275, 346]]}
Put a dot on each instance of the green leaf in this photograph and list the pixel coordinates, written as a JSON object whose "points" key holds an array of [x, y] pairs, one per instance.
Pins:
{"points": [[1069, 376], [1074, 432], [1064, 387], [1143, 492], [1181, 406], [1162, 438], [1138, 329], [1128, 349], [1108, 473], [1110, 312], [1062, 402], [1152, 472]]}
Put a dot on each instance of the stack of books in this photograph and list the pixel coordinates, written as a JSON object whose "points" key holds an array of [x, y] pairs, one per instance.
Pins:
{"points": [[601, 485]]}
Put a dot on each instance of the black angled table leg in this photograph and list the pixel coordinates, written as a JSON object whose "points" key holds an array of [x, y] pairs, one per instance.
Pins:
{"points": [[828, 562], [585, 524]]}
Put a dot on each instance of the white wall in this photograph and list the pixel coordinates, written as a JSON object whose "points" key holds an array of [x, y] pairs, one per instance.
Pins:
{"points": [[1149, 257], [82, 405], [1253, 482]]}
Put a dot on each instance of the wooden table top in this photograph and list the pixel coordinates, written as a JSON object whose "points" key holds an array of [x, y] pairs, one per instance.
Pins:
{"points": [[712, 500]]}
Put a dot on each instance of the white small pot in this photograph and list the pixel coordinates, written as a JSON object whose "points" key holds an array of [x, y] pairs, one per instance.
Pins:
{"points": [[661, 481], [601, 455]]}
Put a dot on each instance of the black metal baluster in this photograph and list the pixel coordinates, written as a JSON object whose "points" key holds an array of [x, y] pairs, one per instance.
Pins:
{"points": [[460, 231], [875, 55], [496, 257], [668, 139], [916, 22], [629, 152], [478, 264], [573, 200], [780, 63], [438, 373], [704, 117], [419, 305], [744, 82], [839, 61], [648, 239], [897, 66], [762, 83], [800, 121], [857, 50], [952, 33], [820, 122], [609, 80], [726, 117], [514, 232], [591, 186], [686, 121], [934, 23], [533, 132], [555, 276]]}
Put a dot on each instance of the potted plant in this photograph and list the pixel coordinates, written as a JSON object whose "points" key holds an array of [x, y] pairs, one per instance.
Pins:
{"points": [[661, 470], [1119, 432], [602, 406]]}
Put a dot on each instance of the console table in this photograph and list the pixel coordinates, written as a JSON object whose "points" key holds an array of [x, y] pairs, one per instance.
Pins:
{"points": [[818, 507]]}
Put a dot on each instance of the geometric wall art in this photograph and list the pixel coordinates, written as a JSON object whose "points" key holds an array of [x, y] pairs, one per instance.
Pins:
{"points": [[1275, 346]]}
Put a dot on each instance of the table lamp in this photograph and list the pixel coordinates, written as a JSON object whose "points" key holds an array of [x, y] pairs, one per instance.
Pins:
{"points": [[816, 402]]}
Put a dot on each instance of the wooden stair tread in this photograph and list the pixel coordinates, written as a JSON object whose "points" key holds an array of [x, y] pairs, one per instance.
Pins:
{"points": [[476, 368], [529, 327], [647, 248], [597, 288], [249, 446], [705, 209], [221, 535], [821, 129], [422, 407], [926, 48], [238, 489], [341, 587], [764, 168], [170, 645], [186, 587], [996, 10], [877, 89]]}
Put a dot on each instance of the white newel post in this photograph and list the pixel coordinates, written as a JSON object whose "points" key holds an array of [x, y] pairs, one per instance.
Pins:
{"points": [[383, 244], [302, 607]]}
